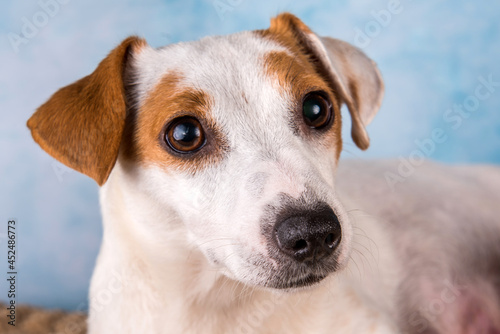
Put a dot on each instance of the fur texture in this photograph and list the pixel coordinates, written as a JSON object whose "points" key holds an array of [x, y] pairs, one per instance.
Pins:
{"points": [[189, 243]]}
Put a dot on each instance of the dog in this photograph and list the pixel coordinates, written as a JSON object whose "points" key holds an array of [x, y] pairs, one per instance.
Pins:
{"points": [[225, 209]]}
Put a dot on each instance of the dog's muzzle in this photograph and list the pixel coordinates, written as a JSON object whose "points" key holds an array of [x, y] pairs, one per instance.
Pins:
{"points": [[308, 236]]}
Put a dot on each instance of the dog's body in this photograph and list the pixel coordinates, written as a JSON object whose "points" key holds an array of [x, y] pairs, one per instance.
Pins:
{"points": [[221, 211], [406, 271]]}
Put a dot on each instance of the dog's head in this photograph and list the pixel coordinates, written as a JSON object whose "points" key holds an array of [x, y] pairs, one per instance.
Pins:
{"points": [[237, 137]]}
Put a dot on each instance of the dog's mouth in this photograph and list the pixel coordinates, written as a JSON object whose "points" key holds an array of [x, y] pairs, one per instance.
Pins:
{"points": [[306, 281]]}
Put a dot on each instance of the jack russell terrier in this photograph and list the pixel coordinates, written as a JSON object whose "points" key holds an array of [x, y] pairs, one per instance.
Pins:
{"points": [[224, 210]]}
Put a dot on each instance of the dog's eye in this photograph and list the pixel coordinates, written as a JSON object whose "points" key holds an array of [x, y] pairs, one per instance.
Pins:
{"points": [[317, 110], [185, 135]]}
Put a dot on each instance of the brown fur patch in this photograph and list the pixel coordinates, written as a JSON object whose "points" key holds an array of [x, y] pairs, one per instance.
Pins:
{"points": [[297, 76], [81, 124], [285, 29], [290, 32], [166, 102]]}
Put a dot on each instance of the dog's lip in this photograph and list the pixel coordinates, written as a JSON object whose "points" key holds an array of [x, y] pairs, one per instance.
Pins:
{"points": [[308, 280]]}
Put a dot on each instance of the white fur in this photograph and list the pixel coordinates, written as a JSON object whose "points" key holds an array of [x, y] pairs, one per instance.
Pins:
{"points": [[177, 248]]}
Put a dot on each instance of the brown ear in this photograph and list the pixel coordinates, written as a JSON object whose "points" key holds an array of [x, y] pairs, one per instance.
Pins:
{"points": [[354, 76], [81, 125]]}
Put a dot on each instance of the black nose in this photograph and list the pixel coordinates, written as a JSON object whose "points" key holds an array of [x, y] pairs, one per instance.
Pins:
{"points": [[309, 235]]}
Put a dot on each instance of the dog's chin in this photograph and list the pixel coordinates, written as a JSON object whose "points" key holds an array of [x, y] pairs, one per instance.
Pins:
{"points": [[291, 284], [284, 275], [286, 282]]}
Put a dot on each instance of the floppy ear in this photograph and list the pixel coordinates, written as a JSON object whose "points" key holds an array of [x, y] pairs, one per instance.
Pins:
{"points": [[81, 125], [354, 76]]}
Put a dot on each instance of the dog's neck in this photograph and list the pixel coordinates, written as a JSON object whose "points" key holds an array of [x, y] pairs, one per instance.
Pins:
{"points": [[144, 279]]}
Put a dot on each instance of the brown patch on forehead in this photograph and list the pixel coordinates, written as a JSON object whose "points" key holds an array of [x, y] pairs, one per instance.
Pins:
{"points": [[289, 32], [168, 100], [293, 73], [296, 76], [283, 30]]}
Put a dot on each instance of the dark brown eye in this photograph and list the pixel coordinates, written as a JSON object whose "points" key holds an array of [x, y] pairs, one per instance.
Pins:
{"points": [[185, 135], [317, 110]]}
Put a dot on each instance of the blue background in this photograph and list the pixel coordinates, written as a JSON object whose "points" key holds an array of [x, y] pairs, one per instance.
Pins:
{"points": [[431, 55]]}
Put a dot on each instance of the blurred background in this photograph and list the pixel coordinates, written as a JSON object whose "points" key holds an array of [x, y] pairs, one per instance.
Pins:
{"points": [[439, 60]]}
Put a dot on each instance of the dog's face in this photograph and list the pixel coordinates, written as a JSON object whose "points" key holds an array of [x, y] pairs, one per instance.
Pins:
{"points": [[242, 135], [237, 136]]}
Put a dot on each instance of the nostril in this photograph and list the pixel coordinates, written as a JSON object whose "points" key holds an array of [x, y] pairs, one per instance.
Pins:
{"points": [[300, 245], [330, 240]]}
